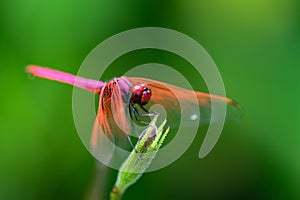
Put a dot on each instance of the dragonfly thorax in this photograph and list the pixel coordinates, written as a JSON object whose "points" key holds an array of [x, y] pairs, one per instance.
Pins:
{"points": [[140, 94]]}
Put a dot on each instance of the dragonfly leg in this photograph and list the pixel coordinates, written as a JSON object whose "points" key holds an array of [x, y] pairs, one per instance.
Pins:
{"points": [[131, 121], [148, 113], [145, 109], [136, 111], [136, 114]]}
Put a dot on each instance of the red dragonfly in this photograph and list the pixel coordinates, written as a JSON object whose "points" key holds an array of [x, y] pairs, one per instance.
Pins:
{"points": [[135, 93]]}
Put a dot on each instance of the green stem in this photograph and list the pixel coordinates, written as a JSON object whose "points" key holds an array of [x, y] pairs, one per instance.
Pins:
{"points": [[140, 158], [115, 194]]}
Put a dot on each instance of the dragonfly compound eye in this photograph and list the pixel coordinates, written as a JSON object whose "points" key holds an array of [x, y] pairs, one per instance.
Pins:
{"points": [[140, 94]]}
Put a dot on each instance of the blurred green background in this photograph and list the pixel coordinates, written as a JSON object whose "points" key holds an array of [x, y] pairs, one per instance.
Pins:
{"points": [[256, 46]]}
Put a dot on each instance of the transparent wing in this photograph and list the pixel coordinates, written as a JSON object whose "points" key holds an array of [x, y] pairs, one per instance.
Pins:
{"points": [[119, 109], [184, 102], [101, 126], [112, 117]]}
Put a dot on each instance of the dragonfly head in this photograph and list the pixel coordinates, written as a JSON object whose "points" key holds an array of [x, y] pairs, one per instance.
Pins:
{"points": [[140, 94]]}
